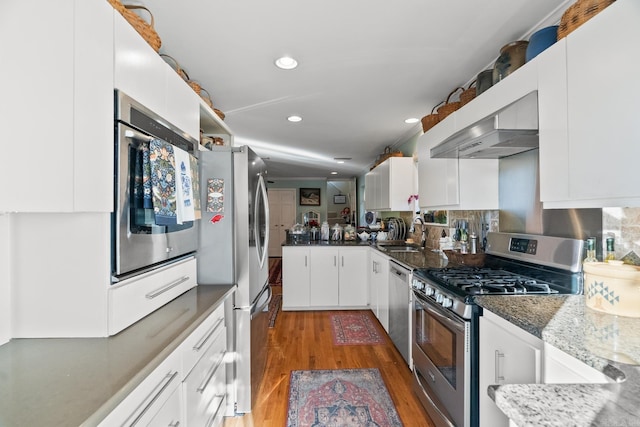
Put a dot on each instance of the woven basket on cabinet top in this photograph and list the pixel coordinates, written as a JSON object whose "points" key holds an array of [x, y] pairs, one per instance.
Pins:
{"points": [[468, 94], [449, 106], [143, 28], [430, 120], [579, 13]]}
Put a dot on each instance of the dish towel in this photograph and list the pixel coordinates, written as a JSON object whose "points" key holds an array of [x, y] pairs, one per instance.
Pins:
{"points": [[195, 183], [142, 179], [163, 183], [185, 209]]}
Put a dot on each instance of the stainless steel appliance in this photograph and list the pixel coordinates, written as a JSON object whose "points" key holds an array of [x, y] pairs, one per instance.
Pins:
{"points": [[445, 317], [234, 241], [400, 309], [139, 243]]}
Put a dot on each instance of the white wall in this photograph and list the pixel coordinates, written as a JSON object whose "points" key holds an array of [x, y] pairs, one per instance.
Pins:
{"points": [[5, 277]]}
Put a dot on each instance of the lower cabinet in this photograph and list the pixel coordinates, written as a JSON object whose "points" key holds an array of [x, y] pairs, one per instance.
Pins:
{"points": [[324, 277], [562, 368], [189, 388], [379, 287], [508, 355]]}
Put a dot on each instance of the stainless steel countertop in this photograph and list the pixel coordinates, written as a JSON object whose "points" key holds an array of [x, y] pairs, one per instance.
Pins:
{"points": [[78, 381], [597, 339]]}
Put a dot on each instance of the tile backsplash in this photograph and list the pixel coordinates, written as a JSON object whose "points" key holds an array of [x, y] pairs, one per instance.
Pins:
{"points": [[624, 225]]}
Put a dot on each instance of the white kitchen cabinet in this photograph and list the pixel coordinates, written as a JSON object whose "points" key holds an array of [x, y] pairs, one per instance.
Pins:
{"points": [[390, 184], [143, 75], [598, 166], [147, 400], [60, 82], [379, 286], [295, 277], [508, 355], [455, 184], [562, 368], [324, 277]]}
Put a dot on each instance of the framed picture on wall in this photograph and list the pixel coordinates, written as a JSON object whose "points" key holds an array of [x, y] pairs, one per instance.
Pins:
{"points": [[339, 199], [309, 197]]}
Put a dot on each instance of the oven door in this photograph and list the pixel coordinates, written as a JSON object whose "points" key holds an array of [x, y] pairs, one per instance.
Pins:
{"points": [[441, 357], [138, 243]]}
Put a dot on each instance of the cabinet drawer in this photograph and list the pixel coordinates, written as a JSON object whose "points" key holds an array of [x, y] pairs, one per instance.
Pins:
{"points": [[148, 398], [197, 344], [170, 413], [205, 387], [133, 299]]}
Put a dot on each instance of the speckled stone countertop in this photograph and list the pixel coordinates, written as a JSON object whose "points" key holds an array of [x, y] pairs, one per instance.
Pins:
{"points": [[78, 381], [608, 343]]}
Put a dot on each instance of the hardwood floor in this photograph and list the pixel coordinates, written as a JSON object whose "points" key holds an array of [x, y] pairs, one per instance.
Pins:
{"points": [[303, 340]]}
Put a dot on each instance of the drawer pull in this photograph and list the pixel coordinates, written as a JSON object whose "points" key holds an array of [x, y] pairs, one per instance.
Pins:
{"points": [[160, 291], [215, 414], [499, 377], [176, 424], [207, 380], [152, 397], [204, 339]]}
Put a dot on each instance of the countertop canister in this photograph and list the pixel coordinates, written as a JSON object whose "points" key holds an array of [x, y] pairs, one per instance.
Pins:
{"points": [[612, 287]]}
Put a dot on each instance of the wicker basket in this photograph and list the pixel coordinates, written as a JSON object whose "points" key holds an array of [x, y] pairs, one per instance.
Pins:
{"points": [[143, 28], [219, 113], [468, 94], [204, 94], [449, 106], [579, 13], [175, 65], [430, 120]]}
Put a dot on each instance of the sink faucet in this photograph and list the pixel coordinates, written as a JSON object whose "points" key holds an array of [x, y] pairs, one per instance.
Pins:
{"points": [[423, 237]]}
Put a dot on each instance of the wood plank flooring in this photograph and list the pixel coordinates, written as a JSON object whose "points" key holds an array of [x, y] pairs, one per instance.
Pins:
{"points": [[303, 340]]}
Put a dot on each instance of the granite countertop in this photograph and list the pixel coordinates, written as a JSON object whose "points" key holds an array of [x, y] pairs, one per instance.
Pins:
{"points": [[610, 344], [78, 381]]}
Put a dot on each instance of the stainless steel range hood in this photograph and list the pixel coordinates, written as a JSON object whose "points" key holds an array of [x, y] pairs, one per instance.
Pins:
{"points": [[509, 131]]}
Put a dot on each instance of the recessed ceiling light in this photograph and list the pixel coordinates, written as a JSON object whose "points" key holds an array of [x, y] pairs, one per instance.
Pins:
{"points": [[341, 159], [294, 119], [334, 173], [412, 120], [286, 63]]}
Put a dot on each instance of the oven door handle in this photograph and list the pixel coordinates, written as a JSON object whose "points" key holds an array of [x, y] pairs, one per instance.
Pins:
{"points": [[432, 309], [443, 416]]}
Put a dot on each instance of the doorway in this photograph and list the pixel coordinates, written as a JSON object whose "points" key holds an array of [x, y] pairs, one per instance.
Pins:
{"points": [[282, 216]]}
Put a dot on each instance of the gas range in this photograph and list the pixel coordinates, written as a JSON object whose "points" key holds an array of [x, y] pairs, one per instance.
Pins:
{"points": [[515, 264]]}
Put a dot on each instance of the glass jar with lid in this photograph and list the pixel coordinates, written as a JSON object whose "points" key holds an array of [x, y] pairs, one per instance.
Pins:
{"points": [[299, 234], [336, 232], [324, 231], [349, 232]]}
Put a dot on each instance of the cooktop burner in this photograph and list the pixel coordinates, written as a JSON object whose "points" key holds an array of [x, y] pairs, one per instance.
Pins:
{"points": [[484, 281]]}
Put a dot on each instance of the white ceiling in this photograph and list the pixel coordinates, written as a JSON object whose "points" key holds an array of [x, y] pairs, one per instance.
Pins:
{"points": [[364, 67]]}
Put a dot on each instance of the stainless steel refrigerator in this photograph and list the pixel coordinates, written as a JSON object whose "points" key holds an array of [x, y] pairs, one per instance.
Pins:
{"points": [[233, 249]]}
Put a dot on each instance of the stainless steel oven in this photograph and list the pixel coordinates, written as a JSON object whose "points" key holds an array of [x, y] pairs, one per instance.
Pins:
{"points": [[446, 318], [139, 242], [443, 345]]}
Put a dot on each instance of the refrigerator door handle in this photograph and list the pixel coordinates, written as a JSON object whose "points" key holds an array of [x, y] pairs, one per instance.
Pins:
{"points": [[262, 302], [262, 201]]}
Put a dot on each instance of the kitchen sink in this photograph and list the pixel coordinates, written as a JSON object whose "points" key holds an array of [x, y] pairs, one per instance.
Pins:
{"points": [[408, 247]]}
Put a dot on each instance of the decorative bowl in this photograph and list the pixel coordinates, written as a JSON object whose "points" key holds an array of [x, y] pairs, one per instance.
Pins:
{"points": [[612, 287], [541, 40]]}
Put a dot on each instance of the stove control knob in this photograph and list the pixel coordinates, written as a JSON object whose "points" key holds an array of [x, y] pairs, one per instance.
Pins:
{"points": [[429, 291], [446, 302], [439, 297]]}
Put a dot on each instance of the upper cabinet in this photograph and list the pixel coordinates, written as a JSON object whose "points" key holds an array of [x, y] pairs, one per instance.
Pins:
{"points": [[592, 160], [59, 88], [389, 185]]}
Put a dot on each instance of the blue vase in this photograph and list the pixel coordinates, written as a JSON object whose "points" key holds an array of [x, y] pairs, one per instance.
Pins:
{"points": [[541, 40]]}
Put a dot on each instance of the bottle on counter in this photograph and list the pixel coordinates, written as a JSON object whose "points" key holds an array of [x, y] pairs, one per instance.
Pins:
{"points": [[591, 250], [324, 231], [610, 253]]}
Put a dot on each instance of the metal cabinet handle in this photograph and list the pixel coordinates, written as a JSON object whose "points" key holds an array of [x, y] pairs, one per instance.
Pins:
{"points": [[153, 396], [215, 414], [305, 260], [176, 424], [160, 291], [498, 358], [205, 338], [342, 260], [335, 261], [207, 380]]}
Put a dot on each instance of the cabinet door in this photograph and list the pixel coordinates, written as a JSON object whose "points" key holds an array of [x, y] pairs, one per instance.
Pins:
{"points": [[508, 355], [378, 287], [182, 102], [295, 277], [353, 277], [370, 190], [383, 176], [561, 368], [323, 277], [603, 105]]}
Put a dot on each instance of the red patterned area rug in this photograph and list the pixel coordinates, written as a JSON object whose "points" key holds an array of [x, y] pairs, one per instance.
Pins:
{"points": [[274, 309], [342, 397], [355, 328], [275, 271]]}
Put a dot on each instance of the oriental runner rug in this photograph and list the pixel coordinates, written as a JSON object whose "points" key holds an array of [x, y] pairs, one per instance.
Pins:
{"points": [[355, 328], [274, 308], [275, 271], [341, 397]]}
